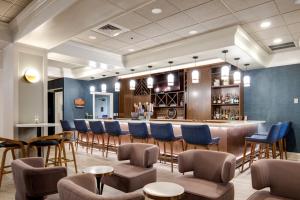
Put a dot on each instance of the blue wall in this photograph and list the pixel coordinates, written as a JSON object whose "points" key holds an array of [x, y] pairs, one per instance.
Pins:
{"points": [[270, 98], [74, 88]]}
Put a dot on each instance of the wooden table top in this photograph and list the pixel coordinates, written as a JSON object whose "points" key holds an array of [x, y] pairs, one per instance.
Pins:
{"points": [[98, 170]]}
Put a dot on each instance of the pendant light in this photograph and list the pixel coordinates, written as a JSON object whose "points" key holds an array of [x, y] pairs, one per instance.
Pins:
{"points": [[117, 84], [195, 72], [247, 78], [170, 77], [225, 69], [150, 79], [237, 74], [132, 82], [103, 86], [92, 89]]}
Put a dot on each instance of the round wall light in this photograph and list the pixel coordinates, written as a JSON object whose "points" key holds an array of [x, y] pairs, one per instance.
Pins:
{"points": [[32, 75]]}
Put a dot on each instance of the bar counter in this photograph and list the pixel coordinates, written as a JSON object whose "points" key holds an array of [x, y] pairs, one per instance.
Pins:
{"points": [[231, 133]]}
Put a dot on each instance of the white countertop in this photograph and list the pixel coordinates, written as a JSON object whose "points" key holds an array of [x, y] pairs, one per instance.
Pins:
{"points": [[35, 125]]}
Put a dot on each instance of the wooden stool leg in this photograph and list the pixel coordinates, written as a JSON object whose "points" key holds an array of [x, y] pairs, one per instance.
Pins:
{"points": [[165, 154], [274, 150], [3, 164], [267, 150], [182, 145], [157, 143], [13, 153], [244, 155], [59, 155], [186, 146], [107, 145], [87, 142], [47, 156], [259, 151], [74, 157], [103, 145], [64, 153], [285, 148], [218, 147], [77, 140], [252, 154], [93, 137], [171, 144], [280, 144]]}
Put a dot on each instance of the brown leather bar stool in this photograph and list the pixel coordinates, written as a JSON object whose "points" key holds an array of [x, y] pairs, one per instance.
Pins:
{"points": [[67, 138], [47, 141], [9, 145]]}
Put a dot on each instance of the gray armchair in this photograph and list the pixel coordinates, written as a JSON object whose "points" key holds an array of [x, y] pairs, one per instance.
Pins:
{"points": [[281, 176], [212, 173], [136, 173], [33, 181], [83, 187]]}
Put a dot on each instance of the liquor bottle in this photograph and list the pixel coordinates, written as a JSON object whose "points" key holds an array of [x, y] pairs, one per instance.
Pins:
{"points": [[219, 100], [223, 99], [214, 99], [217, 114], [232, 99], [226, 115], [237, 99]]}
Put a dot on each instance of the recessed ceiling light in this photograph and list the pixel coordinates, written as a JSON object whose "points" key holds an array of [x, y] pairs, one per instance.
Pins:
{"points": [[156, 11], [131, 50], [265, 24], [92, 37], [193, 32], [277, 40]]}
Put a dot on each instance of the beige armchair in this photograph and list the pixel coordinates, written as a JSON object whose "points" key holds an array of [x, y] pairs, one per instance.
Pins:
{"points": [[136, 173], [33, 181], [212, 173], [281, 176], [83, 187]]}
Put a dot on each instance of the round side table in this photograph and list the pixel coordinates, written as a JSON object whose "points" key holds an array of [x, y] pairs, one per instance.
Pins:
{"points": [[99, 172], [163, 191]]}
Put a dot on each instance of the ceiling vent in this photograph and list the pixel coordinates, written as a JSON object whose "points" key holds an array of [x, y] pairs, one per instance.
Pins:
{"points": [[111, 29], [282, 46]]}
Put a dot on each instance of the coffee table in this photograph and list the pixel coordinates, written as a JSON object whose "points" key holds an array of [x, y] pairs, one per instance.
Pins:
{"points": [[163, 191], [99, 171]]}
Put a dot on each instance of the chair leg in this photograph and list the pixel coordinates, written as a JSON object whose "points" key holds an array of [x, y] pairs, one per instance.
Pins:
{"points": [[182, 145], [64, 153], [74, 157], [3, 164], [108, 137], [103, 145], [93, 137], [171, 144], [244, 155], [47, 156], [280, 144], [259, 151], [186, 146], [218, 148], [285, 148], [165, 154], [13, 153], [157, 143], [274, 150], [267, 151], [77, 140], [252, 154], [87, 142]]}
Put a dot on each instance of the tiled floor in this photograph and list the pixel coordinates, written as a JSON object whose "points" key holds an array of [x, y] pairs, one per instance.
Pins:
{"points": [[242, 182]]}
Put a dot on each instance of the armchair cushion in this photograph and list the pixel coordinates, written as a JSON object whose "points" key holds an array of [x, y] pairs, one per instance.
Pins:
{"points": [[265, 195], [142, 155]]}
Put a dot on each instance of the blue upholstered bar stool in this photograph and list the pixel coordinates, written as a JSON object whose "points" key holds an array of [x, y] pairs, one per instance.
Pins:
{"points": [[284, 129], [83, 131], [164, 133], [267, 141], [113, 129], [138, 131], [198, 135], [97, 130], [66, 127]]}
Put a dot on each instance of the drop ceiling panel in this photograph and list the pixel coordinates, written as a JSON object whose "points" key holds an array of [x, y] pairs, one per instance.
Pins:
{"points": [[237, 5], [177, 21], [125, 4], [186, 4], [151, 30], [9, 9], [99, 37], [259, 12], [294, 28], [4, 6], [220, 22], [131, 20], [114, 44], [167, 10], [207, 11], [96, 44], [146, 44], [186, 31], [292, 17], [285, 39], [130, 37], [166, 38], [276, 21], [287, 5], [272, 33]]}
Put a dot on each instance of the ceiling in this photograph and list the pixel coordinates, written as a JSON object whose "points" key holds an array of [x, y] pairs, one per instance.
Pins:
{"points": [[9, 9], [179, 19]]}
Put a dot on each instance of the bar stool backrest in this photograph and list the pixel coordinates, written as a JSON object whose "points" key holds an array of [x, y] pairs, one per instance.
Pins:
{"points": [[273, 133], [112, 128], [65, 125], [81, 126], [163, 132], [196, 134], [97, 127], [138, 130], [284, 129]]}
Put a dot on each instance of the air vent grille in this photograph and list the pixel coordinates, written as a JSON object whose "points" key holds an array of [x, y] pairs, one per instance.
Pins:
{"points": [[282, 46], [110, 29]]}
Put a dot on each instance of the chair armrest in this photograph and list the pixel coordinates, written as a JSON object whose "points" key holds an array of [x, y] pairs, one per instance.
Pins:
{"points": [[124, 151], [186, 161], [260, 175], [43, 181], [125, 196], [33, 161], [228, 168], [151, 156]]}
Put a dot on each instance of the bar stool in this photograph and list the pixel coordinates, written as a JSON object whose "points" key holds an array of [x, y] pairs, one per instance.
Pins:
{"points": [[284, 129], [82, 130], [198, 135], [67, 138], [66, 127], [113, 130], [97, 130], [164, 133], [263, 140], [47, 141], [138, 131], [9, 145]]}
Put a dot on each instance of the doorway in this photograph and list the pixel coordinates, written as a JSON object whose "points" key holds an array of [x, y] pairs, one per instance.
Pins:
{"points": [[102, 105]]}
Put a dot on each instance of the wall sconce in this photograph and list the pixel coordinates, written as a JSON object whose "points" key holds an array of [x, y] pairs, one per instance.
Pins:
{"points": [[32, 75]]}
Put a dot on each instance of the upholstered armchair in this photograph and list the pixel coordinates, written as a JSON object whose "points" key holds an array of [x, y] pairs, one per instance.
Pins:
{"points": [[83, 187], [281, 176], [33, 181], [212, 173], [139, 171]]}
